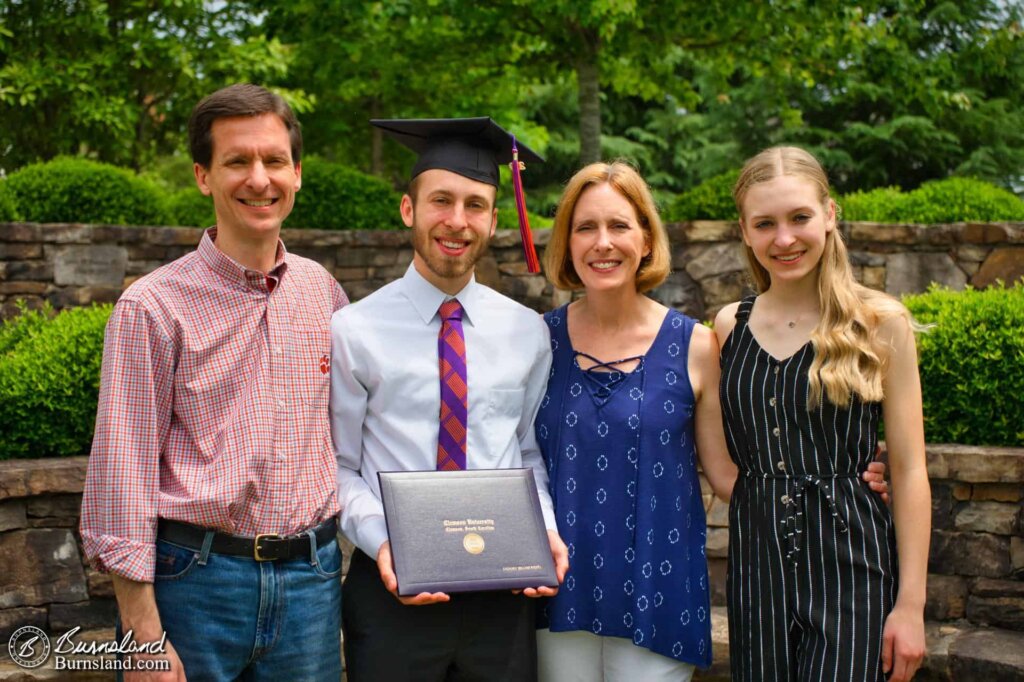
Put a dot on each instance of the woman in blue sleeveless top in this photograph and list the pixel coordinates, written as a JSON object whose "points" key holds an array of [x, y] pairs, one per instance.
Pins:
{"points": [[630, 380]]}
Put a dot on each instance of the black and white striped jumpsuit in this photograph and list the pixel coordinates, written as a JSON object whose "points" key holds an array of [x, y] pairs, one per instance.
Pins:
{"points": [[812, 551]]}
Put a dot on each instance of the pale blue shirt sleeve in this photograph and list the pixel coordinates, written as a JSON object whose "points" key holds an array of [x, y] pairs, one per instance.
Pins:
{"points": [[362, 514]]}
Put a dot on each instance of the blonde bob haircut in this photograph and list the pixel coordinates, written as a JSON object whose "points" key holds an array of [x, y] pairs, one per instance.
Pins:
{"points": [[848, 353], [654, 267]]}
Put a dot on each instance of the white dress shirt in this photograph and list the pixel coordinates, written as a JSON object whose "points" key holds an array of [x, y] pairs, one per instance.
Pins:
{"points": [[386, 398]]}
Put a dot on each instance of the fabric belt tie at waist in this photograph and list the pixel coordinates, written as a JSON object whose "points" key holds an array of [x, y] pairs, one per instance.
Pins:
{"points": [[263, 547], [793, 519]]}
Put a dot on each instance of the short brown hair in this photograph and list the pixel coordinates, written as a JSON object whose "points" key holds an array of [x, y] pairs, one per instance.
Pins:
{"points": [[241, 99], [654, 267]]}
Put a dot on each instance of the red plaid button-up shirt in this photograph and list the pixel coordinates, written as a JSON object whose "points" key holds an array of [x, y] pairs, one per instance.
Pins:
{"points": [[213, 406]]}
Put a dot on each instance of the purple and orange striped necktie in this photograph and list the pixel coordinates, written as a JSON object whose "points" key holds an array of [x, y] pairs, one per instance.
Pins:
{"points": [[451, 358]]}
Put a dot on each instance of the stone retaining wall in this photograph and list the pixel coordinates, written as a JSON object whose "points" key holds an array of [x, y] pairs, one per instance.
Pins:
{"points": [[975, 607], [73, 264], [976, 562], [975, 584], [45, 581]]}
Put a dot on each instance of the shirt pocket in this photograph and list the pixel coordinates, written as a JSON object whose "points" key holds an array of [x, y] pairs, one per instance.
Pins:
{"points": [[308, 375], [501, 419]]}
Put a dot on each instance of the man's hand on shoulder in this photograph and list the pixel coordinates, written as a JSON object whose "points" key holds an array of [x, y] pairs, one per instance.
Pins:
{"points": [[387, 575]]}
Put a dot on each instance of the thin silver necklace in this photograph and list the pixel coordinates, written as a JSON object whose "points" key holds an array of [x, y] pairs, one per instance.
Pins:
{"points": [[792, 323]]}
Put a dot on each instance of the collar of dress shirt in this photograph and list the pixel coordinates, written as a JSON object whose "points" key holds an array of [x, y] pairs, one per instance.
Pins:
{"points": [[230, 269], [426, 298]]}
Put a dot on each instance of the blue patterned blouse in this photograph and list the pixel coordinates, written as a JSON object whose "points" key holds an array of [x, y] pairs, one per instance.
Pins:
{"points": [[619, 448]]}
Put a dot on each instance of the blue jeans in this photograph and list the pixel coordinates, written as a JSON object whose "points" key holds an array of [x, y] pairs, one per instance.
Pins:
{"points": [[233, 618]]}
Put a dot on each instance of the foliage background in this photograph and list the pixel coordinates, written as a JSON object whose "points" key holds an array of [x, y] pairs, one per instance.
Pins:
{"points": [[886, 92], [970, 390], [49, 381]]}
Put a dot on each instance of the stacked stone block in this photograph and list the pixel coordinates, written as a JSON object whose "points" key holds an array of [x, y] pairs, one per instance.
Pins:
{"points": [[45, 581], [72, 264], [975, 601]]}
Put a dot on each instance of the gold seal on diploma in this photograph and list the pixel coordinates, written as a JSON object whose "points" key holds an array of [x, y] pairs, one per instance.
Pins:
{"points": [[473, 543]]}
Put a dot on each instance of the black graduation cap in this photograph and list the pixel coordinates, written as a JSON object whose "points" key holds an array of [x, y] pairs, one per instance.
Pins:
{"points": [[471, 147]]}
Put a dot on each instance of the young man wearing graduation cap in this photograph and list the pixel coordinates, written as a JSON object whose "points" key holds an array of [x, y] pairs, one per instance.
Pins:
{"points": [[437, 371]]}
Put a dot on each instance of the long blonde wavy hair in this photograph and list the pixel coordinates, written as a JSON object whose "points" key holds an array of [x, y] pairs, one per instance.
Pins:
{"points": [[848, 354]]}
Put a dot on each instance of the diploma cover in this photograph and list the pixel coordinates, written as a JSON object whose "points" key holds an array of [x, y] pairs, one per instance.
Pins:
{"points": [[466, 531]]}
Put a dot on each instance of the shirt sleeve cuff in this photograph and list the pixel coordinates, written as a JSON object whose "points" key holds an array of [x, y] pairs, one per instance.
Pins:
{"points": [[549, 517], [373, 533], [127, 558]]}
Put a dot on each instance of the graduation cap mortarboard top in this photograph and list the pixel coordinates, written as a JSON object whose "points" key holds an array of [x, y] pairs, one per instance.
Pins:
{"points": [[473, 148]]}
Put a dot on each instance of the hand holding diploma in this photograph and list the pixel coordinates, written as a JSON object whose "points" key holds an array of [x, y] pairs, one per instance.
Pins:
{"points": [[387, 575]]}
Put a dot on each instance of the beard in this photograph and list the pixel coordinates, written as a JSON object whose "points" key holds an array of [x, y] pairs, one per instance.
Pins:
{"points": [[441, 264]]}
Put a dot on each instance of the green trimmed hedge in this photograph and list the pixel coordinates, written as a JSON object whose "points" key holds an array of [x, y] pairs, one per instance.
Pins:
{"points": [[49, 381], [74, 190], [67, 189], [25, 324], [950, 200], [961, 199], [710, 200], [971, 364], [8, 205], [880, 205], [336, 197], [190, 208]]}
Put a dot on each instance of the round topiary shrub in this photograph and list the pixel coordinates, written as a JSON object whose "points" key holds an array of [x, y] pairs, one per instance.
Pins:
{"points": [[710, 200], [49, 384], [880, 205], [960, 199], [336, 197], [970, 362], [73, 190], [950, 200], [8, 206], [190, 208], [25, 324]]}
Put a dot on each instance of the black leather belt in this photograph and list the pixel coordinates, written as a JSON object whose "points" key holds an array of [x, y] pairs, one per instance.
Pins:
{"points": [[263, 547]]}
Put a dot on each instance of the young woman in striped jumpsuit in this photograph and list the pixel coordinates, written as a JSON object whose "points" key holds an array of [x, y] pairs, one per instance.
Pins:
{"points": [[809, 366]]}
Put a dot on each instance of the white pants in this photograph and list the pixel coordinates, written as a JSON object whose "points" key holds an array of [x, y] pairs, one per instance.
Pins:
{"points": [[585, 657]]}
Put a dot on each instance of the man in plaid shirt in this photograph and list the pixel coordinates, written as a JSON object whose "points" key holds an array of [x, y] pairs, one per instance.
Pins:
{"points": [[211, 492]]}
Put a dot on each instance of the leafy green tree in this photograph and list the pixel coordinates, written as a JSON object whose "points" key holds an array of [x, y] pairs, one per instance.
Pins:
{"points": [[392, 59], [885, 92], [116, 80], [644, 50], [895, 92], [506, 58]]}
